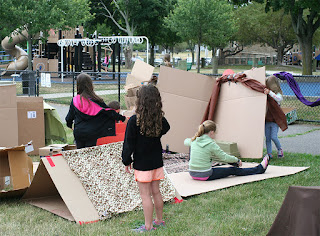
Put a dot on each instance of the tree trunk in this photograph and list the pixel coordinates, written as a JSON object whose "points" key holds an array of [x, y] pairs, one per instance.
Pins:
{"points": [[305, 43], [128, 56], [280, 52], [198, 58], [151, 60], [214, 62], [29, 53]]}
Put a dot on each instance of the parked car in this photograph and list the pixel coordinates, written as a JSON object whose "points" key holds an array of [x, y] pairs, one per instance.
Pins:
{"points": [[158, 61]]}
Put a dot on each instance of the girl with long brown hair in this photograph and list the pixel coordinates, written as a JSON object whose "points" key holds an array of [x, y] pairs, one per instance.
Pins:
{"points": [[142, 150]]}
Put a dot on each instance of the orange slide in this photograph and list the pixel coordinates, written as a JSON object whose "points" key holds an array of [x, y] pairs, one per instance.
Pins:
{"points": [[9, 45]]}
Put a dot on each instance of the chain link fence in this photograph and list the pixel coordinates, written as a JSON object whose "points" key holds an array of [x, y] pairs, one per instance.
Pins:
{"points": [[110, 86]]}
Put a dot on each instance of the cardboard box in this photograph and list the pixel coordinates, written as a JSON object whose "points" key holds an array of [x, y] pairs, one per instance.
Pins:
{"points": [[240, 112], [230, 148], [16, 171], [40, 64], [8, 116], [132, 92], [291, 114], [31, 122], [130, 102], [55, 149]]}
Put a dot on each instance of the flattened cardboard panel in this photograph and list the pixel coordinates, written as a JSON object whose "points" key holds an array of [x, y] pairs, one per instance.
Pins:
{"points": [[8, 96], [238, 121], [8, 127], [186, 84], [184, 116], [31, 122], [240, 115], [21, 169], [142, 70], [186, 186], [70, 190]]}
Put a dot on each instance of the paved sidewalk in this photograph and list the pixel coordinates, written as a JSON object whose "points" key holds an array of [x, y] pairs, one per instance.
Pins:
{"points": [[298, 138], [62, 95]]}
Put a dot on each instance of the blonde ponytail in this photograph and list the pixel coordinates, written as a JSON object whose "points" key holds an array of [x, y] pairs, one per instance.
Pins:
{"points": [[205, 128]]}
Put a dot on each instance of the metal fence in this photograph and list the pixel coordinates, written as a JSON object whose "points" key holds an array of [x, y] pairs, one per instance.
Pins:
{"points": [[110, 86]]}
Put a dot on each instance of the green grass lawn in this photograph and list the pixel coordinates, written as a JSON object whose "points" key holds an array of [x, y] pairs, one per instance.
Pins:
{"points": [[247, 209]]}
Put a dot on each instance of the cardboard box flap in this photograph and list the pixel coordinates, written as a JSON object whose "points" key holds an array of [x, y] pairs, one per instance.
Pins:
{"points": [[186, 84], [21, 169], [141, 72], [68, 187]]}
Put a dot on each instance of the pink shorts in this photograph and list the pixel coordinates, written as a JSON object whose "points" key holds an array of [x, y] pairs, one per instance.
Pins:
{"points": [[149, 175]]}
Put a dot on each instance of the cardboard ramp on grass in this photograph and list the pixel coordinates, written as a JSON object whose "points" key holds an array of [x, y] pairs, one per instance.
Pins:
{"points": [[186, 186], [87, 185], [57, 189]]}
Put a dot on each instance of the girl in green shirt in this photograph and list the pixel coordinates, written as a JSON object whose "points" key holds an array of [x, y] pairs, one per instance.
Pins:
{"points": [[204, 151]]}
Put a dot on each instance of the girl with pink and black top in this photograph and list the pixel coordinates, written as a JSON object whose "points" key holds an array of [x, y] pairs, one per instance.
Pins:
{"points": [[90, 117]]}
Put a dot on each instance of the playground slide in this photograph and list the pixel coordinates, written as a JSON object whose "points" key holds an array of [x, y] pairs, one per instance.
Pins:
{"points": [[10, 47]]}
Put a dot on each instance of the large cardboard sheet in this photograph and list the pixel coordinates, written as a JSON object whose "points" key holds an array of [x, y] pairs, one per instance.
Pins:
{"points": [[240, 111], [185, 96], [8, 116], [186, 186], [240, 115]]}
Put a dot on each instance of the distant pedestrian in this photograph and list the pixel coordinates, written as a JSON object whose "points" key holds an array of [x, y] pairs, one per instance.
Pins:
{"points": [[166, 60]]}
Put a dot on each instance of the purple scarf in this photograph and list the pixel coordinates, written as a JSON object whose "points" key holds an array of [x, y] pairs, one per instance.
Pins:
{"points": [[295, 88]]}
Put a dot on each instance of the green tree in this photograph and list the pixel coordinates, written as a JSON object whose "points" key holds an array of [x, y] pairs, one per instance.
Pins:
{"points": [[143, 17], [222, 29], [196, 20], [268, 28], [305, 18], [151, 22], [34, 16]]}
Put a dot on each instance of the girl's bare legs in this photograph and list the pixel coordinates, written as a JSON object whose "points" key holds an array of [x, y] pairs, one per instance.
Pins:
{"points": [[157, 199], [147, 204]]}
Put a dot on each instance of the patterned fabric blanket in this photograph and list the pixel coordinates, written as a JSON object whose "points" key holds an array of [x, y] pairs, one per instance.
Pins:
{"points": [[109, 187]]}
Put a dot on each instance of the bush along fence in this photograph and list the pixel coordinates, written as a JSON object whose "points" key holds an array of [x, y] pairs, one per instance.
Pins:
{"points": [[110, 86]]}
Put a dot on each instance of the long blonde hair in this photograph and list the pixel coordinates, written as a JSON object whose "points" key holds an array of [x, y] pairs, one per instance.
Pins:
{"points": [[205, 128], [273, 84]]}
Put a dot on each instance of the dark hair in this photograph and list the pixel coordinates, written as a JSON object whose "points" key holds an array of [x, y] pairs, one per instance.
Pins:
{"points": [[114, 105], [153, 80], [85, 88], [149, 111]]}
